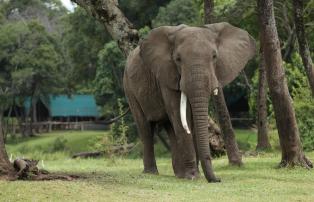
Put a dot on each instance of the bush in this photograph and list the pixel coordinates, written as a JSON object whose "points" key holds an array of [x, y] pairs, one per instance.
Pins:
{"points": [[304, 108], [59, 144]]}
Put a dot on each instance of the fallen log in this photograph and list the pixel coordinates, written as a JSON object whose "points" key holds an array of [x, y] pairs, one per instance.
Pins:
{"points": [[92, 154], [118, 149], [216, 142]]}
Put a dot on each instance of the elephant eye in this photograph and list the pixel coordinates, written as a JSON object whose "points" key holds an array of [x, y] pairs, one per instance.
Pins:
{"points": [[178, 59]]}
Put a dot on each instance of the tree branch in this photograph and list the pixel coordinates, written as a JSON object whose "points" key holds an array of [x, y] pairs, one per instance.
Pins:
{"points": [[108, 13]]}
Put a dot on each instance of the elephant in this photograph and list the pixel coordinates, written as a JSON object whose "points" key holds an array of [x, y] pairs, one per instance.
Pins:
{"points": [[168, 80]]}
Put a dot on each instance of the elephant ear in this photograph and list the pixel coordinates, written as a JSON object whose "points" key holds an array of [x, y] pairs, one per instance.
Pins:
{"points": [[156, 53], [235, 48]]}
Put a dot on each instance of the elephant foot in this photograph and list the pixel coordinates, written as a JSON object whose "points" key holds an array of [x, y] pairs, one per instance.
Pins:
{"points": [[190, 175], [214, 180], [151, 171]]}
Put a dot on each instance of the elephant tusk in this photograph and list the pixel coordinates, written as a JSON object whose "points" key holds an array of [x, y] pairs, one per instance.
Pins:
{"points": [[216, 91], [183, 113]]}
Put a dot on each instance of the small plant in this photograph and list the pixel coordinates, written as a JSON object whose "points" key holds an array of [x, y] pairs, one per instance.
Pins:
{"points": [[118, 136], [59, 144], [119, 129]]}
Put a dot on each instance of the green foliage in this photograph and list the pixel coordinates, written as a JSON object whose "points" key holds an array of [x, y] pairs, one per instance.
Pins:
{"points": [[118, 135], [59, 144], [304, 112], [302, 101], [143, 32], [108, 86], [83, 38], [220, 8], [119, 129], [178, 12], [304, 109], [252, 101], [140, 12], [32, 64]]}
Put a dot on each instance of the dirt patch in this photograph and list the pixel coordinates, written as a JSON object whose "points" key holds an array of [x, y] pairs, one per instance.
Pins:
{"points": [[26, 169]]}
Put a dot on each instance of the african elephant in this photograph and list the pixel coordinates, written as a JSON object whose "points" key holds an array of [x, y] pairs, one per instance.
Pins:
{"points": [[168, 80]]}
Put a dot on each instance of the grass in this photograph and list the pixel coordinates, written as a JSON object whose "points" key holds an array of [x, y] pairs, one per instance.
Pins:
{"points": [[121, 179], [59, 144]]}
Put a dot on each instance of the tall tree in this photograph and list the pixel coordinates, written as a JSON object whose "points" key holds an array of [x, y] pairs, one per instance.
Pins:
{"points": [[303, 45], [292, 153], [233, 153], [6, 168], [262, 130], [83, 37], [208, 11], [5, 165]]}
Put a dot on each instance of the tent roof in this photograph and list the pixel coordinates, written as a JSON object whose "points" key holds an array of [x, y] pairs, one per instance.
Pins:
{"points": [[75, 105]]}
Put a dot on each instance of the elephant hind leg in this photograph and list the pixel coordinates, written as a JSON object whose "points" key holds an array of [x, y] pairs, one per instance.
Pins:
{"points": [[146, 132]]}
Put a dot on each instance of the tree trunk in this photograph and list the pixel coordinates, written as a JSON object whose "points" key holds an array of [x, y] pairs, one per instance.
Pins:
{"points": [[208, 11], [303, 45], [233, 153], [6, 168], [292, 153], [262, 130], [109, 14], [232, 149]]}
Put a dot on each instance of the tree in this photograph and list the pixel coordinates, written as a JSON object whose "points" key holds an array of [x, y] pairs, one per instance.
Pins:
{"points": [[82, 38], [108, 87], [32, 63], [303, 45], [262, 126], [233, 153], [6, 168], [141, 13], [208, 11], [292, 153], [178, 12]]}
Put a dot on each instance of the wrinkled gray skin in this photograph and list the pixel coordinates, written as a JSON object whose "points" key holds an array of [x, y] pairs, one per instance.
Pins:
{"points": [[193, 60]]}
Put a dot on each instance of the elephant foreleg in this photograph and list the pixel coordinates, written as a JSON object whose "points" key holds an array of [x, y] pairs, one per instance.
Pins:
{"points": [[185, 155], [177, 161]]}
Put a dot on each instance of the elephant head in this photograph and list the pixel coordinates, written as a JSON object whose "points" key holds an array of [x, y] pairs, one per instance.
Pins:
{"points": [[195, 61]]}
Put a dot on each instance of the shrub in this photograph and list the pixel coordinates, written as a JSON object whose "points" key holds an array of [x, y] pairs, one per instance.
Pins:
{"points": [[304, 108], [59, 144]]}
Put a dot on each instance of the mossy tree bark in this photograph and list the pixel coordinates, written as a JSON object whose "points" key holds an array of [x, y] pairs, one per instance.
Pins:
{"points": [[262, 126], [232, 149], [6, 168], [292, 153], [303, 45], [118, 26]]}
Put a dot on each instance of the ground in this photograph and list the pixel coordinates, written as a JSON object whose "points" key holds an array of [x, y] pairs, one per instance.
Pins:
{"points": [[120, 179]]}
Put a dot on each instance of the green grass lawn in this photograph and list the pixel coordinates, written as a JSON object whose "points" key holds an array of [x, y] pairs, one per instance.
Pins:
{"points": [[121, 179], [55, 145]]}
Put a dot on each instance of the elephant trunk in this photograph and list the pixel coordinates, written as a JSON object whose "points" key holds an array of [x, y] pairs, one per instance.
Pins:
{"points": [[199, 106], [198, 93]]}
